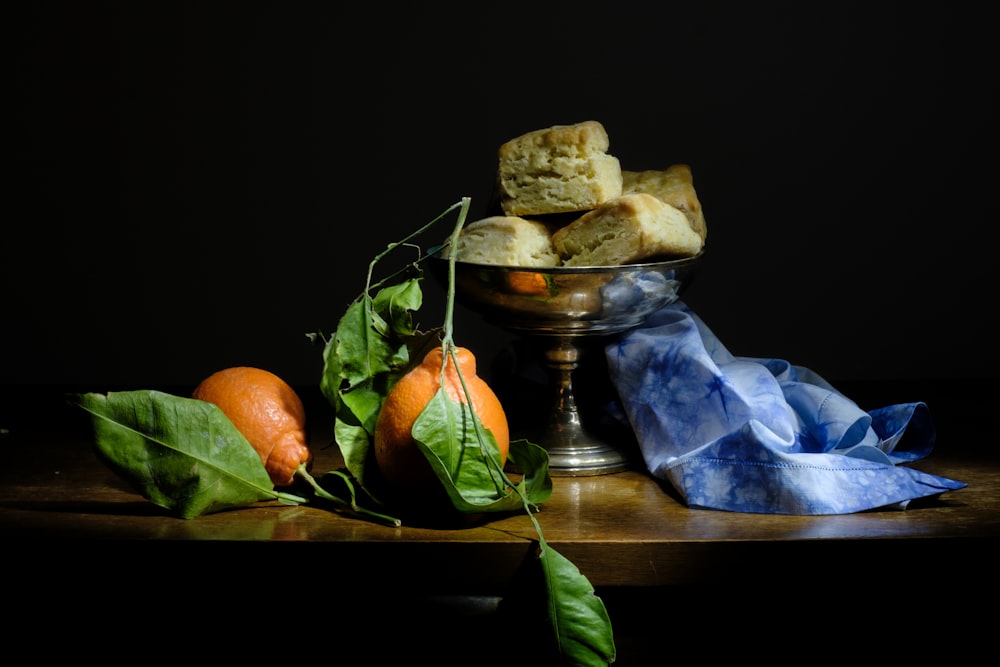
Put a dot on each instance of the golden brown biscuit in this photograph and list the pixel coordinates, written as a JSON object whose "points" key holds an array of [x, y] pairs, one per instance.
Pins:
{"points": [[629, 229], [506, 241], [557, 169], [673, 185]]}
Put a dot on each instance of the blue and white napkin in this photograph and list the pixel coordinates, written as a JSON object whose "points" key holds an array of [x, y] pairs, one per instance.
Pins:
{"points": [[761, 435]]}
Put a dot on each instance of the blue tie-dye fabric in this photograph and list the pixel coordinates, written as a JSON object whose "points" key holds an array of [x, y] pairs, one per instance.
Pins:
{"points": [[761, 435]]}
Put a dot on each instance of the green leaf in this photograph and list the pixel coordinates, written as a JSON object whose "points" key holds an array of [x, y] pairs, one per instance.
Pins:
{"points": [[447, 432], [357, 364], [533, 462], [182, 454], [395, 304], [354, 442], [372, 348], [358, 353], [550, 609], [580, 620]]}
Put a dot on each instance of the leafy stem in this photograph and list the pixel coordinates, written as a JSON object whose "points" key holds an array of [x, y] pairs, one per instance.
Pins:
{"points": [[449, 348], [369, 287], [374, 345], [340, 502]]}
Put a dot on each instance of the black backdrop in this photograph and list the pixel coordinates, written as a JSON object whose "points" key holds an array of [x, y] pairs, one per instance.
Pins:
{"points": [[199, 185]]}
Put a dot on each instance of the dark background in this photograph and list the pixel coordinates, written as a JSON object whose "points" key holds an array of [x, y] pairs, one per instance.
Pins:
{"points": [[199, 185]]}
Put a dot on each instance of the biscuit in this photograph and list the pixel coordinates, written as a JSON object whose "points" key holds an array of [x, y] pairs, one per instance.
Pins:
{"points": [[632, 228], [557, 169], [673, 185], [506, 241]]}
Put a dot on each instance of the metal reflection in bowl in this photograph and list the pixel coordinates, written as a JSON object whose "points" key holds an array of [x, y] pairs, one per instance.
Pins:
{"points": [[568, 300], [558, 306]]}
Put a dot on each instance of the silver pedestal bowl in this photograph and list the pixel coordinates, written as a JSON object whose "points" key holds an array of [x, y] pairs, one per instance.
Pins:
{"points": [[561, 308]]}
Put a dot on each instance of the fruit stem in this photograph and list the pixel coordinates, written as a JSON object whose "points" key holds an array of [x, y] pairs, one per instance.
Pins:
{"points": [[289, 498], [340, 502], [464, 204], [450, 303], [448, 345]]}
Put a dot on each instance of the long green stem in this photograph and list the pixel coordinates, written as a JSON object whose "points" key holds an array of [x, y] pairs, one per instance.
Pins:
{"points": [[449, 348], [449, 312], [464, 204]]}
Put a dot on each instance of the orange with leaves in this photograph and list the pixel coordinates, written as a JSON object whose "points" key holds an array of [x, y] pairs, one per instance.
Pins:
{"points": [[400, 461], [267, 411]]}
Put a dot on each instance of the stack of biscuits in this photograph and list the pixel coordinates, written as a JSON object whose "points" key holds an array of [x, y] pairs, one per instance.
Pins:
{"points": [[563, 200]]}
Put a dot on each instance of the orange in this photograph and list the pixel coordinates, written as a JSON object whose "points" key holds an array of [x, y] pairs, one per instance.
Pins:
{"points": [[397, 455], [527, 282], [267, 411]]}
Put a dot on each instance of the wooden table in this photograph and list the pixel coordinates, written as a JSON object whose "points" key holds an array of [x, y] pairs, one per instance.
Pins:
{"points": [[627, 533]]}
